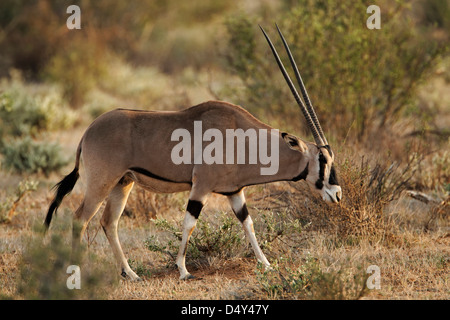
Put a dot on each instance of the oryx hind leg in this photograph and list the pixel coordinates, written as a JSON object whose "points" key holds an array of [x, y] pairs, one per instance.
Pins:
{"points": [[92, 201], [114, 207], [237, 202]]}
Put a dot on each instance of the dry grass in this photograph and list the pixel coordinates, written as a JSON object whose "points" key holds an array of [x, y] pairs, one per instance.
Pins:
{"points": [[318, 251], [413, 260]]}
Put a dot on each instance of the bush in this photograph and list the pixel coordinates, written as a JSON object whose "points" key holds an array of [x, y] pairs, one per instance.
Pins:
{"points": [[28, 111], [208, 239], [77, 68], [310, 281], [354, 76], [133, 31], [246, 59], [436, 13], [28, 156]]}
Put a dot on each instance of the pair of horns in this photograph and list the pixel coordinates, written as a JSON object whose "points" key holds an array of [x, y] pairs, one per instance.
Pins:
{"points": [[308, 111]]}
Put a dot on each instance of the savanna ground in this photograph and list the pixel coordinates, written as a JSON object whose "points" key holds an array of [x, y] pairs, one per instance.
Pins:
{"points": [[383, 97]]}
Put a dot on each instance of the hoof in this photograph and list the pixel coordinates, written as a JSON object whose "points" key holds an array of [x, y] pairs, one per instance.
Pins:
{"points": [[187, 277], [131, 276]]}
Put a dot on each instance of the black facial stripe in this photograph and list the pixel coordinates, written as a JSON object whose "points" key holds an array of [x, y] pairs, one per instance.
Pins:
{"points": [[302, 175], [242, 214], [332, 180], [322, 163], [194, 207], [319, 184]]}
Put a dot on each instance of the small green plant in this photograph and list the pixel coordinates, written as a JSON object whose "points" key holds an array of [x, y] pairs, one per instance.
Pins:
{"points": [[8, 206], [277, 226], [140, 268], [310, 281], [209, 239], [217, 240], [168, 246]]}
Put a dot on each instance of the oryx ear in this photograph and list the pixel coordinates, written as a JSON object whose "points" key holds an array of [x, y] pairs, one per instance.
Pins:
{"points": [[293, 142]]}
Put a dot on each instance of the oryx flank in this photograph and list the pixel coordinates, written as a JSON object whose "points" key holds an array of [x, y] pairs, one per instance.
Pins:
{"points": [[124, 147]]}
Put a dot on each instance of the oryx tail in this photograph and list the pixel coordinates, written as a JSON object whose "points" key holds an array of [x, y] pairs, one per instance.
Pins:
{"points": [[63, 188]]}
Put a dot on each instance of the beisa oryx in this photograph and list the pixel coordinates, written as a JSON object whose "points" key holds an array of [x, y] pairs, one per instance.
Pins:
{"points": [[123, 147]]}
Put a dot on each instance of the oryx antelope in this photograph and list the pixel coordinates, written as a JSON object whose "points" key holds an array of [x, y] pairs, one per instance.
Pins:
{"points": [[124, 147]]}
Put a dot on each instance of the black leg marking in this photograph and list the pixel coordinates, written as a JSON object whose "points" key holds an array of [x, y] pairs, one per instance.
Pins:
{"points": [[194, 207], [242, 214]]}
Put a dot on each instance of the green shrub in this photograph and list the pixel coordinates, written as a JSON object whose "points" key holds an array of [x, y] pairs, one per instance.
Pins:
{"points": [[29, 156], [436, 13], [18, 115], [221, 235], [246, 59], [77, 68], [27, 110], [277, 227], [221, 239], [310, 281], [356, 77], [133, 31]]}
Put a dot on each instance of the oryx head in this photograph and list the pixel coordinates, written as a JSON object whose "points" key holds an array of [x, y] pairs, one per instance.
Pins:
{"points": [[319, 172]]}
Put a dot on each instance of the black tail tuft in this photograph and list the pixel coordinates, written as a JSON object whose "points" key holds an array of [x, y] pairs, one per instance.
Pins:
{"points": [[63, 188]]}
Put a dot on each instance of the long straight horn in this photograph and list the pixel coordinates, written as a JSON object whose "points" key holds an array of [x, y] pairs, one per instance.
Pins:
{"points": [[303, 89], [309, 121]]}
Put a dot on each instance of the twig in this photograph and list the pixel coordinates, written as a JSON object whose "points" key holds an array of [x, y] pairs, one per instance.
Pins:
{"points": [[421, 196], [15, 204]]}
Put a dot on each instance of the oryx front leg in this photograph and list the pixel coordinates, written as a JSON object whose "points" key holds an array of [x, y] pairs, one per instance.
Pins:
{"points": [[190, 220], [239, 207]]}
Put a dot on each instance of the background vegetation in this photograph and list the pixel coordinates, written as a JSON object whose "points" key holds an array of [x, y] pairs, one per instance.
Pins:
{"points": [[382, 96]]}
